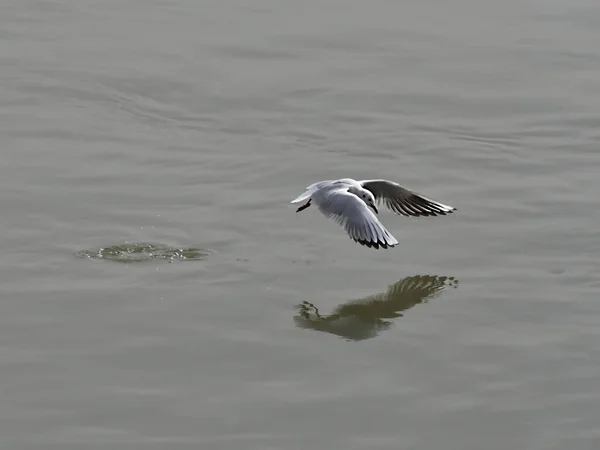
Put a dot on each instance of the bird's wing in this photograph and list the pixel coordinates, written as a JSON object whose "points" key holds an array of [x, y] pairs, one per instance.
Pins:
{"points": [[320, 184], [357, 219], [404, 201]]}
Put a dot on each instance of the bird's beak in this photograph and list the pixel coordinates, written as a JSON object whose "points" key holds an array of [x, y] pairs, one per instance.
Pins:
{"points": [[375, 209]]}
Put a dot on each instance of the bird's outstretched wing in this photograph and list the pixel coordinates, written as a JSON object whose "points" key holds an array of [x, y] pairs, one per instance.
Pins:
{"points": [[357, 219], [403, 201]]}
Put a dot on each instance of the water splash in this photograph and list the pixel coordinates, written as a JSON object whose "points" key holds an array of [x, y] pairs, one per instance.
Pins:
{"points": [[144, 252]]}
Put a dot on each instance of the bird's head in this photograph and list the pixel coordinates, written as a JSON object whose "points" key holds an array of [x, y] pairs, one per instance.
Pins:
{"points": [[366, 196]]}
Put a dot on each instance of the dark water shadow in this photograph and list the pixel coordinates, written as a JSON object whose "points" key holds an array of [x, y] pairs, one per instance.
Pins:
{"points": [[365, 318], [144, 252]]}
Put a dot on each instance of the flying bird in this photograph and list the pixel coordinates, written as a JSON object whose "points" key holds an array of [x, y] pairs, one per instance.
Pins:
{"points": [[353, 205]]}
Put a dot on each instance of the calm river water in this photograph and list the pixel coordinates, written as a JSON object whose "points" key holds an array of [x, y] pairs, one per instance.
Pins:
{"points": [[158, 291]]}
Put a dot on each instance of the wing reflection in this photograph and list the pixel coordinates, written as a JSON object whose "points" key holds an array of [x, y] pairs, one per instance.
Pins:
{"points": [[365, 318]]}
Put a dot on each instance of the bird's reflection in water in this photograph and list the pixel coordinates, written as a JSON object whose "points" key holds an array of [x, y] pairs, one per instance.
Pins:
{"points": [[366, 318]]}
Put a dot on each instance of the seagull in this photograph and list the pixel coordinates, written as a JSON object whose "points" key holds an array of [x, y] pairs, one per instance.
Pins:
{"points": [[352, 204]]}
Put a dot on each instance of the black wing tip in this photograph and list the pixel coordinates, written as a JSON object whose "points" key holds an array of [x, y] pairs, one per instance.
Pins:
{"points": [[444, 213], [376, 245], [418, 206]]}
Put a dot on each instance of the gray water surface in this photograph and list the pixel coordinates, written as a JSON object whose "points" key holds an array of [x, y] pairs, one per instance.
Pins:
{"points": [[158, 291]]}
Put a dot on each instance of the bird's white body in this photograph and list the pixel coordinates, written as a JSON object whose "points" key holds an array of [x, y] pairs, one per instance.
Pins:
{"points": [[352, 204]]}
